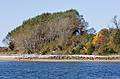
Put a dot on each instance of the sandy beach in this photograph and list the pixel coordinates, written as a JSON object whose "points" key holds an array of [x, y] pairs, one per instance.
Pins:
{"points": [[60, 58]]}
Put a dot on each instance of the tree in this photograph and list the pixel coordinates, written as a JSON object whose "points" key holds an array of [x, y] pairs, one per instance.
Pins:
{"points": [[101, 37], [98, 39], [89, 48], [116, 22], [105, 50], [11, 45], [49, 29], [115, 41], [91, 31]]}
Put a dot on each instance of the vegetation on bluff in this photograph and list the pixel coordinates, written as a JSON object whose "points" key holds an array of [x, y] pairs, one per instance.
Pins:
{"points": [[63, 33]]}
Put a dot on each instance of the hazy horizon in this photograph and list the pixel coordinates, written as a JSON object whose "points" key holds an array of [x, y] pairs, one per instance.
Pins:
{"points": [[97, 13]]}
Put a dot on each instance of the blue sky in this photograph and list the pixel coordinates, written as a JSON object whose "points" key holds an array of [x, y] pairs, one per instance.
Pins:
{"points": [[97, 12]]}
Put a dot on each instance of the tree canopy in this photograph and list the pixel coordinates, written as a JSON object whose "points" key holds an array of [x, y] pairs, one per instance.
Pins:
{"points": [[48, 31], [63, 33]]}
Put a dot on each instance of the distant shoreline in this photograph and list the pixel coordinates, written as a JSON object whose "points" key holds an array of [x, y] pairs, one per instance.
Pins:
{"points": [[60, 58]]}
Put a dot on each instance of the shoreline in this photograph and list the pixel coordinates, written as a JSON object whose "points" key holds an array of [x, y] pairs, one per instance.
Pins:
{"points": [[60, 58]]}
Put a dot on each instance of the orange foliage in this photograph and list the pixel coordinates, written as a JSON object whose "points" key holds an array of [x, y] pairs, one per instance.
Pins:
{"points": [[99, 39]]}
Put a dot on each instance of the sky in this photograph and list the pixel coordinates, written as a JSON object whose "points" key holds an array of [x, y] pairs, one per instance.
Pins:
{"points": [[98, 13]]}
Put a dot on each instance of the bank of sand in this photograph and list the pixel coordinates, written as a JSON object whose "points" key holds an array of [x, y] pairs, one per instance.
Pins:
{"points": [[60, 58]]}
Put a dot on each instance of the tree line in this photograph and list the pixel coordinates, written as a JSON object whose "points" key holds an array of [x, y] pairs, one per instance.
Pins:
{"points": [[63, 33]]}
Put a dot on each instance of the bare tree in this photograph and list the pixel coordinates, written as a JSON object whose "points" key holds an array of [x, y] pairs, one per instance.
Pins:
{"points": [[116, 22]]}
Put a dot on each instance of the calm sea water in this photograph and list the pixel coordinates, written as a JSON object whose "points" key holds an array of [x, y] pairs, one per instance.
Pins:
{"points": [[46, 70]]}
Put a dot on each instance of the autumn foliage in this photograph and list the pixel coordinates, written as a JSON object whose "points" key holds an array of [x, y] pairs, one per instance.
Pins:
{"points": [[63, 33]]}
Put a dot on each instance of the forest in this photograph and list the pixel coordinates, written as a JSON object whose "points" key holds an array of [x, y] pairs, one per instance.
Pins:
{"points": [[63, 33]]}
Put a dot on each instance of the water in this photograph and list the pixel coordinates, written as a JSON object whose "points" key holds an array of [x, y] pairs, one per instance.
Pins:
{"points": [[45, 70]]}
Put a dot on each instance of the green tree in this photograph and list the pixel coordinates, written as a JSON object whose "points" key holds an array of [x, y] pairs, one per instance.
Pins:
{"points": [[56, 28], [115, 41], [89, 48]]}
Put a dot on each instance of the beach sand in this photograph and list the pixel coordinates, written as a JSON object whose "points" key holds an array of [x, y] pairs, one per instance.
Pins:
{"points": [[44, 58]]}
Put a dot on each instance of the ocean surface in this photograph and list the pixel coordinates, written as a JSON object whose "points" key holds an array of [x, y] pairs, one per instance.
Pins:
{"points": [[57, 70]]}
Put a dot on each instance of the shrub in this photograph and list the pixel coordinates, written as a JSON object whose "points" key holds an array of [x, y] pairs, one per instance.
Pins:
{"points": [[105, 50], [89, 48]]}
